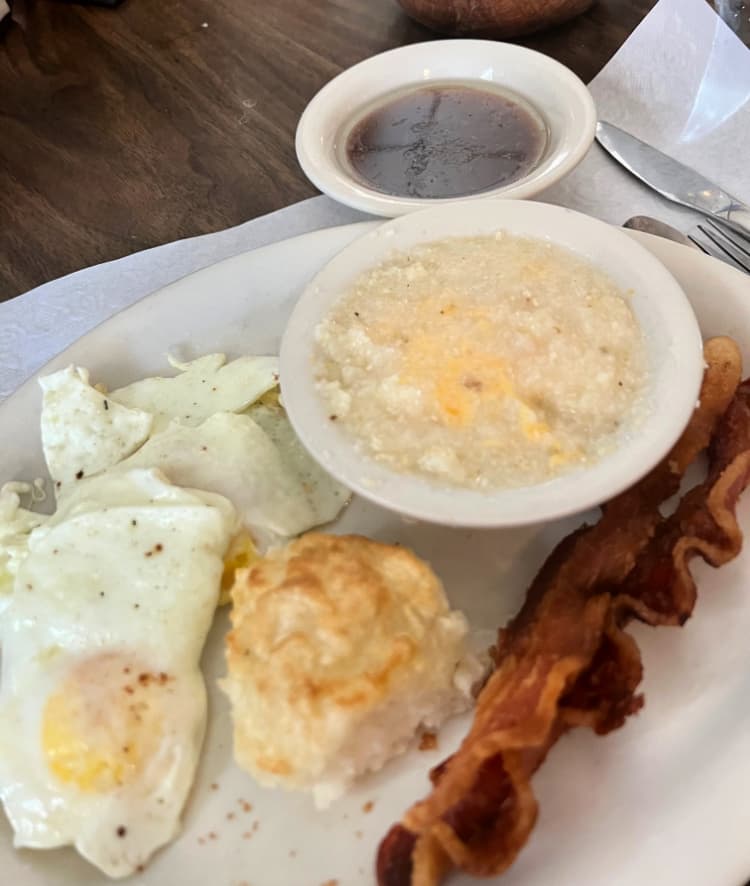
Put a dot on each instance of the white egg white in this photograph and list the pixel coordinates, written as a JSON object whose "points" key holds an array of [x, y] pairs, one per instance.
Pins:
{"points": [[83, 431], [102, 703], [16, 524], [207, 431], [203, 387], [276, 487], [325, 496]]}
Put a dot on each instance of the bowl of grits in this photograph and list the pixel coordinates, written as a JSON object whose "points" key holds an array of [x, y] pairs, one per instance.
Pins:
{"points": [[491, 364]]}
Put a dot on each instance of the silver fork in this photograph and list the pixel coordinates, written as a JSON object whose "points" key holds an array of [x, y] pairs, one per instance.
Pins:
{"points": [[721, 242]]}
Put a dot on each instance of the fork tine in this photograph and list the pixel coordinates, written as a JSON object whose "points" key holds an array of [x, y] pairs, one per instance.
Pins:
{"points": [[699, 245], [732, 236], [722, 246]]}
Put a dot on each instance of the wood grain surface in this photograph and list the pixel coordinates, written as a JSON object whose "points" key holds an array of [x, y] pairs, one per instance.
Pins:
{"points": [[123, 129]]}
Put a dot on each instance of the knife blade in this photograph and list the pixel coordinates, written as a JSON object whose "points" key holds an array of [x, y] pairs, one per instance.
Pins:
{"points": [[672, 179]]}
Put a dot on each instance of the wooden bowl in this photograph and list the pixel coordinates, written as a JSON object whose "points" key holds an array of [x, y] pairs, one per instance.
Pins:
{"points": [[492, 18]]}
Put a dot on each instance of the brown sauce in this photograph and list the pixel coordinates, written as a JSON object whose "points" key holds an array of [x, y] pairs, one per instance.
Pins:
{"points": [[446, 140]]}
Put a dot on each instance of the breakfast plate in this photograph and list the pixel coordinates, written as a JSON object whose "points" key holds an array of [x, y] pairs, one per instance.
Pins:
{"points": [[665, 799]]}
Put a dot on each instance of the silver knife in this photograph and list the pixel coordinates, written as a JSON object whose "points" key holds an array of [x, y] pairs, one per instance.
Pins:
{"points": [[672, 179]]}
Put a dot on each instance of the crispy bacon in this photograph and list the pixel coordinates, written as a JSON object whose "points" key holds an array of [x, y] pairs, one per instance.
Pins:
{"points": [[565, 659]]}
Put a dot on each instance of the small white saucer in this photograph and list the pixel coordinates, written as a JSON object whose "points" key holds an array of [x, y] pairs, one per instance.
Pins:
{"points": [[558, 95]]}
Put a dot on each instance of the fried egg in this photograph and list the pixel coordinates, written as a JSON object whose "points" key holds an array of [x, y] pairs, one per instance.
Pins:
{"points": [[276, 487], [83, 430], [202, 434], [102, 702], [325, 496], [16, 523], [202, 388]]}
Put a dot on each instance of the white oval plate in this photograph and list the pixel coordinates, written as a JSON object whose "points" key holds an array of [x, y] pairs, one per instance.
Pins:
{"points": [[664, 800], [670, 331], [553, 90]]}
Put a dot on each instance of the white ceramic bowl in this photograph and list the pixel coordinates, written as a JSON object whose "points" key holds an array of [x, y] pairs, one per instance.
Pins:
{"points": [[674, 350], [558, 95]]}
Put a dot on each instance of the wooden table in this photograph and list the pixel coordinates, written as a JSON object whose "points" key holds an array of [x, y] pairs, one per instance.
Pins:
{"points": [[123, 129]]}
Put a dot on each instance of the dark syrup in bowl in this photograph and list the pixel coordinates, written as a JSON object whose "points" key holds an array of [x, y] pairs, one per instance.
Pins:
{"points": [[445, 140]]}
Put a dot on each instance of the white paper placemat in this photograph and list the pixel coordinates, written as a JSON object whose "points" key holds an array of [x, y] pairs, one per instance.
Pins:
{"points": [[682, 82]]}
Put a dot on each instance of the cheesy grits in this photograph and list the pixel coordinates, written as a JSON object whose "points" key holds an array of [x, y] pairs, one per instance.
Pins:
{"points": [[485, 362]]}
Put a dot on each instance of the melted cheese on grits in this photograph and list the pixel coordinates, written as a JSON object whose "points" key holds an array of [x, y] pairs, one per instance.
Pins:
{"points": [[488, 361]]}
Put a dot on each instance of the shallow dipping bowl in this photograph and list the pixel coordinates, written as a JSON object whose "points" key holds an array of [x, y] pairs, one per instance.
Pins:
{"points": [[673, 347], [557, 96]]}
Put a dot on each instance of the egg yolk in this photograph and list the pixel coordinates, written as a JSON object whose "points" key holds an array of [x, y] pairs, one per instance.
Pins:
{"points": [[102, 725], [241, 554]]}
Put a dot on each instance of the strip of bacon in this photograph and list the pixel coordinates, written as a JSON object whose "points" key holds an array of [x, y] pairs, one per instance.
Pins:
{"points": [[565, 660]]}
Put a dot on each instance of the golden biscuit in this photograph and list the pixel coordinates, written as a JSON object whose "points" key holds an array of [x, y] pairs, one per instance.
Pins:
{"points": [[341, 649]]}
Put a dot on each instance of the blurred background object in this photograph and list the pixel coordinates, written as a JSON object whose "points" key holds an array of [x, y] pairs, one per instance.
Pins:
{"points": [[495, 18], [736, 13], [20, 4], [94, 2]]}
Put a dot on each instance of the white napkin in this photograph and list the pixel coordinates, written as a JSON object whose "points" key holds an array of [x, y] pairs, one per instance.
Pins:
{"points": [[682, 82], [4, 9]]}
